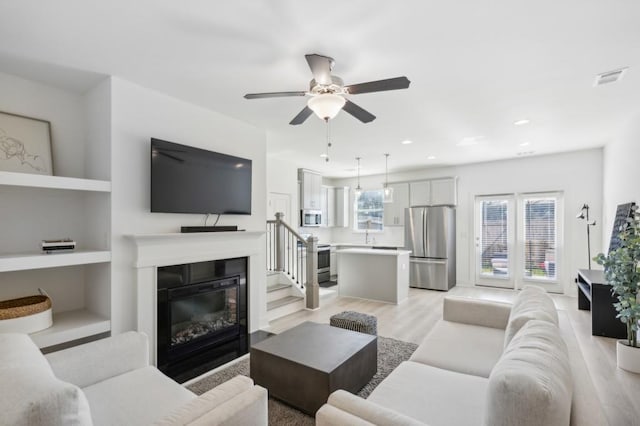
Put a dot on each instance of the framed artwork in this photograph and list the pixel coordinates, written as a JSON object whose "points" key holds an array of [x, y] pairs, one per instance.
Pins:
{"points": [[25, 144]]}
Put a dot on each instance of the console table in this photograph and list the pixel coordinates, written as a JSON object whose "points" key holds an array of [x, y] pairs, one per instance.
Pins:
{"points": [[595, 294]]}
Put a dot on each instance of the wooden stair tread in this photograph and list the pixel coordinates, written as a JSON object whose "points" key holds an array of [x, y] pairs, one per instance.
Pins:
{"points": [[282, 302]]}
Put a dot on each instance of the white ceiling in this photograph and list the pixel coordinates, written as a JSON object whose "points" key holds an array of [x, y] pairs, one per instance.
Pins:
{"points": [[475, 67]]}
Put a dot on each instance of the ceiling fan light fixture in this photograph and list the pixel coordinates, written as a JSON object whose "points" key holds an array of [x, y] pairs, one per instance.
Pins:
{"points": [[326, 105]]}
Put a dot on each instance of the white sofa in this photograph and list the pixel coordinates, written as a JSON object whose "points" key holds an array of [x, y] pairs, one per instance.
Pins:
{"points": [[110, 382], [485, 363]]}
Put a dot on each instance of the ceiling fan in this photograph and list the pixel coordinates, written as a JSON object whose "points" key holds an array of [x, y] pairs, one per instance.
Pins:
{"points": [[327, 92]]}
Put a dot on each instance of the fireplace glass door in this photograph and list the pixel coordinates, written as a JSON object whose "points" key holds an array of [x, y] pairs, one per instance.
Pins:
{"points": [[201, 311]]}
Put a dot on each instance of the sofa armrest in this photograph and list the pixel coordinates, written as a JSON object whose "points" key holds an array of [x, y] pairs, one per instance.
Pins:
{"points": [[485, 313], [235, 402], [346, 408], [94, 362]]}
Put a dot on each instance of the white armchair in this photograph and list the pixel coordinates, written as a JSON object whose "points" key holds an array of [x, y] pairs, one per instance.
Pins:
{"points": [[109, 382]]}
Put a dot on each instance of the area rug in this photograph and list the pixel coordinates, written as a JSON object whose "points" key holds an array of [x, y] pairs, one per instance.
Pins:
{"points": [[391, 353]]}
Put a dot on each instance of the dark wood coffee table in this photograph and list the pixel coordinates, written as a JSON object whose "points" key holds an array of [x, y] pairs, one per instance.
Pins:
{"points": [[305, 364]]}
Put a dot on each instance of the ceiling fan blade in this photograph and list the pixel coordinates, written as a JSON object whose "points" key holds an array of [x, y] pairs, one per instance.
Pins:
{"points": [[378, 86], [302, 116], [320, 67], [358, 112], [273, 95]]}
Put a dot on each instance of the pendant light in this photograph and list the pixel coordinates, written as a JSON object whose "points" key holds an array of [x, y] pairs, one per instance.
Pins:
{"points": [[358, 189], [387, 191]]}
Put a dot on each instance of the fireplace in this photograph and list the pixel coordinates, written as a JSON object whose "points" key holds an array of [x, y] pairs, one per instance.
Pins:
{"points": [[201, 316]]}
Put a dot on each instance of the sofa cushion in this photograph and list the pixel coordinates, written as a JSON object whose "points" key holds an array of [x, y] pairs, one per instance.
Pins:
{"points": [[464, 348], [531, 384], [31, 394], [119, 401], [531, 303], [433, 395]]}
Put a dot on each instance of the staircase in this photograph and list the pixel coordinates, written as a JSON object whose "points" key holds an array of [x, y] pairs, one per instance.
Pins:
{"points": [[292, 270], [283, 298]]}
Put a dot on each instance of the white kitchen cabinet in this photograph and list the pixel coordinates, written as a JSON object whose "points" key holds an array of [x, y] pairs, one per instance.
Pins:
{"points": [[443, 192], [331, 206], [324, 206], [341, 199], [334, 206], [394, 211], [311, 186], [420, 193], [433, 192]]}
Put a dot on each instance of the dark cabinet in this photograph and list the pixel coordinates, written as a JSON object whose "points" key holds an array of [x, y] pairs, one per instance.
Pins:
{"points": [[595, 294]]}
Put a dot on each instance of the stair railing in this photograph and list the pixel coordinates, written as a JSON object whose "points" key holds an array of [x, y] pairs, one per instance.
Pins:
{"points": [[292, 254]]}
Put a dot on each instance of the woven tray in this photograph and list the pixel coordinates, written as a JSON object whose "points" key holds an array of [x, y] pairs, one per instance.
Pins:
{"points": [[24, 306]]}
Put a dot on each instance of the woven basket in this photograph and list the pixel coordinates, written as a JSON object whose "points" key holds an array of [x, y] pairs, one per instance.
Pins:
{"points": [[26, 314]]}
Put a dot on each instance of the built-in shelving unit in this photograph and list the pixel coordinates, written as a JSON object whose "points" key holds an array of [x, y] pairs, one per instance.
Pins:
{"points": [[27, 261], [75, 203], [71, 325], [53, 182]]}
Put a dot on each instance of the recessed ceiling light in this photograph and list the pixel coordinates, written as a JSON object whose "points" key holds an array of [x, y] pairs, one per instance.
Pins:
{"points": [[323, 155], [407, 142], [525, 144], [431, 157], [468, 141], [521, 122]]}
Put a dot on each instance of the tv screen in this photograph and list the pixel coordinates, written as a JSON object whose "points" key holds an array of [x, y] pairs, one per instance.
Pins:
{"points": [[185, 179]]}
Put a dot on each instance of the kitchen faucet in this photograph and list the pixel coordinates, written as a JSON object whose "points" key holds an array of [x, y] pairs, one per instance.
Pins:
{"points": [[366, 232]]}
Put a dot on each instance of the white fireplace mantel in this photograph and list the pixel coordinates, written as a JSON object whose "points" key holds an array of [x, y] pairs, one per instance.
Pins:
{"points": [[154, 250]]}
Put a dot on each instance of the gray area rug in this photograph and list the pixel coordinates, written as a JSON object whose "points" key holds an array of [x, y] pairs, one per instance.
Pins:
{"points": [[391, 353]]}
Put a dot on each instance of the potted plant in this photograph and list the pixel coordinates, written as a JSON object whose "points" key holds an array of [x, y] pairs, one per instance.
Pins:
{"points": [[622, 271]]}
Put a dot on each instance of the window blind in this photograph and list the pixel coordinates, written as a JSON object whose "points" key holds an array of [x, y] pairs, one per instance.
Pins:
{"points": [[494, 237], [540, 238]]}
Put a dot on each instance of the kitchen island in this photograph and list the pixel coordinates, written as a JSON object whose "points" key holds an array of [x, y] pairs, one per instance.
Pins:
{"points": [[374, 274]]}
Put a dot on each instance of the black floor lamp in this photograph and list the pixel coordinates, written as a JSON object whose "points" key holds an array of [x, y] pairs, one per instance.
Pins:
{"points": [[584, 214]]}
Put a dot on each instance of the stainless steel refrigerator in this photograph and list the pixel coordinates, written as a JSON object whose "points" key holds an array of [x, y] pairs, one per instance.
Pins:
{"points": [[430, 234]]}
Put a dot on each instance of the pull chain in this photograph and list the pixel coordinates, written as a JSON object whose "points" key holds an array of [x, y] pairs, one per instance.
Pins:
{"points": [[326, 158]]}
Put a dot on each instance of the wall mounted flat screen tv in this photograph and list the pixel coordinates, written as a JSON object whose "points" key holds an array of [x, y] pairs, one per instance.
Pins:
{"points": [[185, 179]]}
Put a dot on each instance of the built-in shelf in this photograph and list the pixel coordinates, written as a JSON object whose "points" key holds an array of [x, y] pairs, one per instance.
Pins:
{"points": [[53, 182], [26, 261], [71, 325]]}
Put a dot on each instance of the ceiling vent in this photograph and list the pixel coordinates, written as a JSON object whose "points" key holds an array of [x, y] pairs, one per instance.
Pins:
{"points": [[609, 77]]}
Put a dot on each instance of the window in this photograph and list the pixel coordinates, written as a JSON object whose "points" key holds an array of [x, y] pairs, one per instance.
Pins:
{"points": [[368, 211], [540, 237]]}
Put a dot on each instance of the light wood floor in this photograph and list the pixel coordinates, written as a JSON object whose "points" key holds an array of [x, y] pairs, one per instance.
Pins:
{"points": [[604, 393]]}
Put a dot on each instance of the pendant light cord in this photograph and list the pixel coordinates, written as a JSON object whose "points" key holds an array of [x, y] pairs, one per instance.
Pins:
{"points": [[386, 170]]}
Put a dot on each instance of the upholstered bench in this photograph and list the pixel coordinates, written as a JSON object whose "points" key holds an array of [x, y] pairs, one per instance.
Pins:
{"points": [[355, 321]]}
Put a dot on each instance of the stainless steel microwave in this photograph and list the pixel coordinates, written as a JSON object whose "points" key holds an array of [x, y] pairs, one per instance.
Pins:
{"points": [[310, 217]]}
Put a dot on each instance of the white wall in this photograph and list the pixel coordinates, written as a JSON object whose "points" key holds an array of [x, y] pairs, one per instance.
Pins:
{"points": [[620, 174], [577, 174], [137, 115]]}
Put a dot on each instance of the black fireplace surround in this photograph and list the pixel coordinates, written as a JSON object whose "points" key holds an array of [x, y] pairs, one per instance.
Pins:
{"points": [[202, 316]]}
